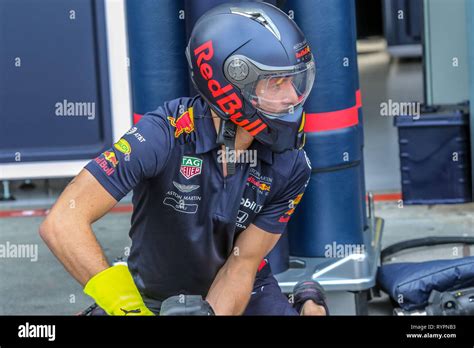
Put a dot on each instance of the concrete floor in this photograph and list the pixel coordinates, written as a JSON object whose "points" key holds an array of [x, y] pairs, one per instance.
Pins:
{"points": [[44, 287], [380, 80], [419, 221]]}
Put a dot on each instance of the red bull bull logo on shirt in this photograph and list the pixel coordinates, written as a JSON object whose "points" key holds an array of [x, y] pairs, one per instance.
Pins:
{"points": [[261, 185], [184, 123], [111, 158]]}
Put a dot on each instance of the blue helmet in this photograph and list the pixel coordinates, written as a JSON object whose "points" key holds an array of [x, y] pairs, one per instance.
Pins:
{"points": [[254, 67]]}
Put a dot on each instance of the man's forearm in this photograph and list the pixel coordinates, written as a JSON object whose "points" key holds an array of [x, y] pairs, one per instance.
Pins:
{"points": [[231, 289], [76, 247]]}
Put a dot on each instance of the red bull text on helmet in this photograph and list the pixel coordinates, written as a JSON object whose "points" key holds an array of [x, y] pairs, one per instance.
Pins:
{"points": [[230, 104]]}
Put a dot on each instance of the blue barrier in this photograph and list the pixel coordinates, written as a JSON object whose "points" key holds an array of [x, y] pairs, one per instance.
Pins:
{"points": [[57, 104], [158, 67], [332, 209]]}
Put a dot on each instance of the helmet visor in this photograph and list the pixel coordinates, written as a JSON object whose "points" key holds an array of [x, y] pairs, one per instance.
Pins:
{"points": [[279, 93]]}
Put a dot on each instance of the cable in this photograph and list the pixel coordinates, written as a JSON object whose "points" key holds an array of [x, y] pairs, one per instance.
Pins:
{"points": [[427, 241]]}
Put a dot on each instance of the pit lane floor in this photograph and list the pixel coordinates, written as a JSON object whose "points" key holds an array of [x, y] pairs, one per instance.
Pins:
{"points": [[40, 285]]}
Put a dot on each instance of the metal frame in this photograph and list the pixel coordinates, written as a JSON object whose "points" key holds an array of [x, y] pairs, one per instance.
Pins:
{"points": [[444, 37], [470, 44], [346, 280]]}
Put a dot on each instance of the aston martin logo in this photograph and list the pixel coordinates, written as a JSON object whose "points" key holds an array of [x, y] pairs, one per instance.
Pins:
{"points": [[185, 188]]}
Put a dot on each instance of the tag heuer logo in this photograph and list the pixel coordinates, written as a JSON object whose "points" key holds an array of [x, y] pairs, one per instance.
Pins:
{"points": [[190, 166]]}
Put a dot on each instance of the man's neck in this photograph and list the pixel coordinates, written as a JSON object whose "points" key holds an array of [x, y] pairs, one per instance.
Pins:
{"points": [[243, 140]]}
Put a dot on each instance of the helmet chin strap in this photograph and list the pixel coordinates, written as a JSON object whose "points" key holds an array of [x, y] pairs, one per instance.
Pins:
{"points": [[226, 137]]}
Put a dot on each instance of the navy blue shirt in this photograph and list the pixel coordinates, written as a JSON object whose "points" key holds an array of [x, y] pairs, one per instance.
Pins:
{"points": [[187, 215]]}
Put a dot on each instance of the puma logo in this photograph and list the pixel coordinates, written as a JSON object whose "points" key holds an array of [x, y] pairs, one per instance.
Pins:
{"points": [[130, 311]]}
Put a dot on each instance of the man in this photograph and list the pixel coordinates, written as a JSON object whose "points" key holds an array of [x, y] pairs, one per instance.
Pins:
{"points": [[203, 221]]}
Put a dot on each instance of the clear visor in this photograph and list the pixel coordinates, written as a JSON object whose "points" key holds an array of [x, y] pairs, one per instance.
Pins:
{"points": [[278, 94]]}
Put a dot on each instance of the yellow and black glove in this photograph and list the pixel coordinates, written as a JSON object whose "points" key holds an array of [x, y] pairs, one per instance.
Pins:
{"points": [[115, 292]]}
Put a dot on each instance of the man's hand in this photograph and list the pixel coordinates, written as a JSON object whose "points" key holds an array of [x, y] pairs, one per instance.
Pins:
{"points": [[186, 305], [231, 289], [115, 292], [311, 308]]}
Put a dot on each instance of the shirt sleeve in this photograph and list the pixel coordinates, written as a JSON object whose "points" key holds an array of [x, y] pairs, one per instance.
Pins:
{"points": [[140, 154], [275, 215]]}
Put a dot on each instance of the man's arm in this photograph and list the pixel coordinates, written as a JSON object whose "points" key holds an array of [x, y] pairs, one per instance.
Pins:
{"points": [[67, 228], [67, 232], [105, 181], [230, 292]]}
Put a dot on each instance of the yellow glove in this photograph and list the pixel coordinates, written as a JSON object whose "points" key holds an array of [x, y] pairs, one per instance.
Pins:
{"points": [[115, 292]]}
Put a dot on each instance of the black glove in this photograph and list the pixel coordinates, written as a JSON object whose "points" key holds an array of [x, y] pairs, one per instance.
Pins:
{"points": [[186, 305], [309, 290], [458, 302]]}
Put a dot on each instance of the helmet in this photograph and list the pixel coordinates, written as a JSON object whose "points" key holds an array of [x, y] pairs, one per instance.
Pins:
{"points": [[254, 67]]}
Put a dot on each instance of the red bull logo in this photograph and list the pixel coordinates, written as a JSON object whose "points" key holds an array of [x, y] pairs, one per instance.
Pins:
{"points": [[103, 164], [260, 184], [284, 219], [111, 158], [297, 200], [226, 98], [184, 123], [306, 50], [292, 205]]}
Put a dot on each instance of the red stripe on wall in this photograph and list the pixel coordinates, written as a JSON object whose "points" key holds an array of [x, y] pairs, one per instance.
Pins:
{"points": [[23, 213], [125, 208], [387, 197], [326, 121]]}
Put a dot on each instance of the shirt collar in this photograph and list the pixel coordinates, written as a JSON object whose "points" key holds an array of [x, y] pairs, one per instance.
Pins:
{"points": [[263, 152], [206, 134]]}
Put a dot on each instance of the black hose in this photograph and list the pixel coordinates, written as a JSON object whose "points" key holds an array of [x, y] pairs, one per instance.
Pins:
{"points": [[421, 242]]}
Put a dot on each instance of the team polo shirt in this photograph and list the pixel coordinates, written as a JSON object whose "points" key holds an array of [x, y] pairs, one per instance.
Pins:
{"points": [[187, 215]]}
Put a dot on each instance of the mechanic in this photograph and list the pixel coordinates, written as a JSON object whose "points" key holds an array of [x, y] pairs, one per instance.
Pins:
{"points": [[202, 226]]}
